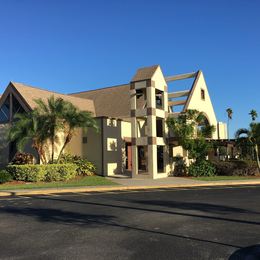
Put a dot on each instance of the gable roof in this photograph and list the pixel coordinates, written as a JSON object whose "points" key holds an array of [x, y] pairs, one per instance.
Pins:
{"points": [[110, 102], [145, 73], [194, 84], [30, 93]]}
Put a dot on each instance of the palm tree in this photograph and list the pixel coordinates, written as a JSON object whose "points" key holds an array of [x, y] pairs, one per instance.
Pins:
{"points": [[63, 117], [29, 127], [52, 111], [74, 119], [47, 122], [230, 116], [252, 135], [253, 114]]}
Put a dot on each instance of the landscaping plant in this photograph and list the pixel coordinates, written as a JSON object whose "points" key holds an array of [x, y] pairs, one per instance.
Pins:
{"points": [[84, 167], [251, 137], [45, 125], [191, 128], [22, 158], [47, 173], [5, 176]]}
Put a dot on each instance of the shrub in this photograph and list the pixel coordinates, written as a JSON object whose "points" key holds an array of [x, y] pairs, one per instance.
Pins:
{"points": [[180, 167], [84, 167], [202, 168], [236, 168], [60, 172], [49, 172], [5, 176], [22, 158], [27, 172]]}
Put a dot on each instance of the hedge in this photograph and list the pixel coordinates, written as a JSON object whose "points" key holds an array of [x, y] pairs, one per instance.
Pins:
{"points": [[236, 168], [48, 172], [202, 168], [5, 176]]}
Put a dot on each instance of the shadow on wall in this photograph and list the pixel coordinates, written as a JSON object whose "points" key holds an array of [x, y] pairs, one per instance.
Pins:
{"points": [[246, 253], [114, 148], [4, 145]]}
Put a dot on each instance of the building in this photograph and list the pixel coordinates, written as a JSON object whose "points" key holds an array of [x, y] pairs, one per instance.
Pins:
{"points": [[133, 137]]}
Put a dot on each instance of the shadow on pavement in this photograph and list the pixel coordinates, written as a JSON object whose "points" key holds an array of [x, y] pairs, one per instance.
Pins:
{"points": [[247, 253], [58, 216], [142, 208], [94, 221], [203, 207]]}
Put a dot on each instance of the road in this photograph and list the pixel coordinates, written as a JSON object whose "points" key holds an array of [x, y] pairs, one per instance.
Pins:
{"points": [[197, 223]]}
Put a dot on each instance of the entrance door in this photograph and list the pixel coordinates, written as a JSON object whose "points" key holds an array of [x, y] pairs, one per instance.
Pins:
{"points": [[128, 156]]}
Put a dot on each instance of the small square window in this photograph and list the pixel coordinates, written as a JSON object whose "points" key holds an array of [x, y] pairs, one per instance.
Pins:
{"points": [[202, 94], [111, 122], [85, 140]]}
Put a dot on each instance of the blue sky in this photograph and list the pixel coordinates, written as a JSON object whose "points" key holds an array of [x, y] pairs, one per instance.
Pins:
{"points": [[75, 45]]}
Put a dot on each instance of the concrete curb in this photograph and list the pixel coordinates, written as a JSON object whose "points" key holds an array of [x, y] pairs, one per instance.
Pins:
{"points": [[7, 193]]}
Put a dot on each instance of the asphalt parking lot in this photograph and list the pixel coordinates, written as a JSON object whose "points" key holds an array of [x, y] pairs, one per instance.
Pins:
{"points": [[195, 223]]}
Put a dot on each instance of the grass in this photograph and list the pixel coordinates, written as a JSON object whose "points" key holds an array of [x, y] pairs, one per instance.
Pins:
{"points": [[84, 181], [223, 178]]}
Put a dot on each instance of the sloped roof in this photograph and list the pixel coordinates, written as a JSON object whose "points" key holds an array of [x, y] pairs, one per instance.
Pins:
{"points": [[110, 102], [145, 73], [30, 93]]}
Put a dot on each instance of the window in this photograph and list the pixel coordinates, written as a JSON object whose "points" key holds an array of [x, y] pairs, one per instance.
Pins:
{"points": [[159, 127], [111, 122], [84, 140], [5, 111], [17, 108], [159, 99], [202, 94], [160, 162], [111, 144]]}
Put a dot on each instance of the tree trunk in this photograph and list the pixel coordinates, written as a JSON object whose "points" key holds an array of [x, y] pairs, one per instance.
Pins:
{"points": [[52, 149], [67, 140]]}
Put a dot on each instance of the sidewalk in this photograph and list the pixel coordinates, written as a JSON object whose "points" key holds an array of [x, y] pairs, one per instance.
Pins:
{"points": [[131, 184]]}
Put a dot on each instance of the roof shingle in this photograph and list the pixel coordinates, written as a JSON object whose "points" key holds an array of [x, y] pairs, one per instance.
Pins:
{"points": [[30, 93], [145, 73]]}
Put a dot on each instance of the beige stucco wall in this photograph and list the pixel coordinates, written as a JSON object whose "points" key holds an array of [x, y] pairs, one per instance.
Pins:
{"points": [[204, 106], [222, 130], [75, 146], [159, 79], [92, 149], [125, 129]]}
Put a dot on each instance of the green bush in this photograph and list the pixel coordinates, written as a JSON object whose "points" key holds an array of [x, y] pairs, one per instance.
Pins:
{"points": [[49, 172], [27, 172], [236, 168], [60, 172], [180, 167], [202, 168], [5, 176], [84, 167]]}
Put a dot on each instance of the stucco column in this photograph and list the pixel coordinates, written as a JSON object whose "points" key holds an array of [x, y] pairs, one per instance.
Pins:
{"points": [[133, 130]]}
